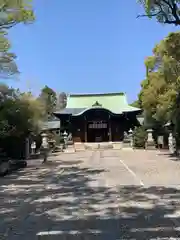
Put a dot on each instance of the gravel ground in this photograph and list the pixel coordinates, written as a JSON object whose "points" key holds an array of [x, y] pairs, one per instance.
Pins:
{"points": [[107, 194]]}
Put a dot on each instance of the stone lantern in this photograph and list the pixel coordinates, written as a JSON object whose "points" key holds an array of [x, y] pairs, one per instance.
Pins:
{"points": [[44, 140], [127, 141], [65, 136], [171, 138], [33, 147], [44, 146], [150, 141], [172, 143]]}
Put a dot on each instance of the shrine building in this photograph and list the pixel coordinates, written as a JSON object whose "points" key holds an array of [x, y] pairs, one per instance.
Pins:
{"points": [[98, 117]]}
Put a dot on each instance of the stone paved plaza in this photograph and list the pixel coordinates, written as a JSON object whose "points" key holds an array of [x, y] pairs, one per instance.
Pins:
{"points": [[110, 194]]}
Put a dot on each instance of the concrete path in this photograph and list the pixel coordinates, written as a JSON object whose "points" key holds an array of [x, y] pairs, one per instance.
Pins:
{"points": [[106, 194]]}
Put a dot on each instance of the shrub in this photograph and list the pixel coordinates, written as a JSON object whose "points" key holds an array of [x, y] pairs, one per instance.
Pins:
{"points": [[139, 137]]}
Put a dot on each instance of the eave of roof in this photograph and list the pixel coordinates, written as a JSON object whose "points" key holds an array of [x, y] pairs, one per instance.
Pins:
{"points": [[80, 111], [71, 111]]}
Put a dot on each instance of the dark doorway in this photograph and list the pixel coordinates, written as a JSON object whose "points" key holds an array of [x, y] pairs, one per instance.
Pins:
{"points": [[97, 131]]}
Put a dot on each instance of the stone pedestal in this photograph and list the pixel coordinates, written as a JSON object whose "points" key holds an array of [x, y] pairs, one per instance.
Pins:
{"points": [[105, 145], [150, 144], [79, 146], [117, 145]]}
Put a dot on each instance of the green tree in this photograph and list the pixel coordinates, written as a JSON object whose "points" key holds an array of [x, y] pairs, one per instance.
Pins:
{"points": [[135, 104], [12, 12], [48, 98], [165, 11], [20, 115], [37, 109], [160, 90], [8, 67]]}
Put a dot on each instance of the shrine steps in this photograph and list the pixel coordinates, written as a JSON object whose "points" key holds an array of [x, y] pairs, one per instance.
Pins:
{"points": [[78, 146]]}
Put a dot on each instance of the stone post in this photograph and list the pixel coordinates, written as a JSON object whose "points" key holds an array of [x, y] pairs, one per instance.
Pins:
{"points": [[150, 144]]}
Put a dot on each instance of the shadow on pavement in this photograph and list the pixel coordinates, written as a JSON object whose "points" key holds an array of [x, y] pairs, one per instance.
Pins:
{"points": [[172, 157], [73, 201]]}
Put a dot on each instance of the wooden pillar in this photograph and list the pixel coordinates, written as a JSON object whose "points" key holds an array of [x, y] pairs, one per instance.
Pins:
{"points": [[110, 130], [27, 148], [85, 129]]}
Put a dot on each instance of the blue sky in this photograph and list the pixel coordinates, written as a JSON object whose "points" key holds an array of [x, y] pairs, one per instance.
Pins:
{"points": [[85, 46]]}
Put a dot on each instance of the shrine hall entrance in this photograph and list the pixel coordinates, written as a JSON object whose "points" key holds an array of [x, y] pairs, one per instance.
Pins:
{"points": [[97, 131]]}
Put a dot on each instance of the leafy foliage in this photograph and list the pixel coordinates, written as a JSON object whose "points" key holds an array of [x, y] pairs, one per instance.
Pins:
{"points": [[136, 104], [12, 12], [139, 137], [62, 101], [165, 11], [160, 88], [48, 98], [20, 114], [8, 67]]}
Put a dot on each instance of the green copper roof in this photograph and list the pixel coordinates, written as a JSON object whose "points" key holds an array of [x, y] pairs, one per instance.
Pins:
{"points": [[114, 102]]}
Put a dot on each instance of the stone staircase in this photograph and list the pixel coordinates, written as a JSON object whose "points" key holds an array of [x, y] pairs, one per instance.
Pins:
{"points": [[101, 145], [91, 146], [79, 146], [70, 149], [117, 145]]}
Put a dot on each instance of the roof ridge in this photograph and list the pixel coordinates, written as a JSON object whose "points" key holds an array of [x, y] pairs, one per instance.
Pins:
{"points": [[96, 94]]}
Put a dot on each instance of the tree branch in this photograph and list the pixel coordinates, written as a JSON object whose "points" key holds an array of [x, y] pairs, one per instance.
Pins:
{"points": [[173, 9], [168, 3], [148, 15], [175, 13], [175, 22]]}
